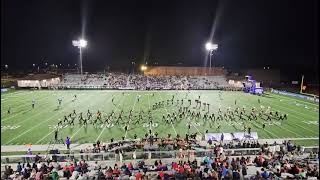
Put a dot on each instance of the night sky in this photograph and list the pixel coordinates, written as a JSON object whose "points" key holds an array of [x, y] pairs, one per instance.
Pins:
{"points": [[276, 33]]}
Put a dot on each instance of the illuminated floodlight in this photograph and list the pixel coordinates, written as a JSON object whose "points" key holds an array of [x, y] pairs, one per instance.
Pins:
{"points": [[210, 46], [81, 43], [143, 68]]}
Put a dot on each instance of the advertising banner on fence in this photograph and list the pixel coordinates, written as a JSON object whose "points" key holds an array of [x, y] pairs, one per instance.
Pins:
{"points": [[4, 90], [309, 98]]}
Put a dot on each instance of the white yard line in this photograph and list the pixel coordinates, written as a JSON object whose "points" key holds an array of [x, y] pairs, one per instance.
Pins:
{"points": [[30, 129], [296, 118], [257, 124], [49, 119], [76, 132], [196, 128], [135, 102], [306, 129], [279, 126], [44, 137], [270, 131], [93, 102], [315, 138], [167, 113], [290, 131], [302, 115], [265, 130], [54, 130], [149, 109], [29, 117], [105, 125], [10, 117], [28, 103], [295, 99], [251, 121], [193, 124]]}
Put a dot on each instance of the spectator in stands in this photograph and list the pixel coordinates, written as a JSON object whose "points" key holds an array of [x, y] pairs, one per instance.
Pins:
{"points": [[139, 175], [161, 174], [221, 167], [7, 172], [19, 168], [264, 174], [257, 176]]}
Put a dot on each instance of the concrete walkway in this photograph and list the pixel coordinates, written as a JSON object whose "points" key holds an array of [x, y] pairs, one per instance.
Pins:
{"points": [[44, 147], [75, 147]]}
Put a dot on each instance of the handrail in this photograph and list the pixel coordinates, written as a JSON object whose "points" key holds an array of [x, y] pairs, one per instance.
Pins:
{"points": [[143, 152], [137, 152]]}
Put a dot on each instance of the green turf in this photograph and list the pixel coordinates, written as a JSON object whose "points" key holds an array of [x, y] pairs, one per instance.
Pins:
{"points": [[32, 125]]}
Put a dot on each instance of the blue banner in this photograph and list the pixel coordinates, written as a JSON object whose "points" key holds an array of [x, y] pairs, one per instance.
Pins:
{"points": [[285, 93], [4, 90]]}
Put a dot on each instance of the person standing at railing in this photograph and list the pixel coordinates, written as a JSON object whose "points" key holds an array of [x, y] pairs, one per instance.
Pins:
{"points": [[29, 152], [56, 134], [68, 142], [134, 155]]}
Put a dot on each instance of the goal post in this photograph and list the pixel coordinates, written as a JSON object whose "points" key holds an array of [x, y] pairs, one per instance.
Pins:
{"points": [[304, 87]]}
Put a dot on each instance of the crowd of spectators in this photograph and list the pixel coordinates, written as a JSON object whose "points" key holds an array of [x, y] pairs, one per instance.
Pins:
{"points": [[142, 82], [266, 165]]}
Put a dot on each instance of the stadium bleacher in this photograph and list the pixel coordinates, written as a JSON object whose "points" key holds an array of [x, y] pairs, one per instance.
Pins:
{"points": [[142, 82], [282, 164]]}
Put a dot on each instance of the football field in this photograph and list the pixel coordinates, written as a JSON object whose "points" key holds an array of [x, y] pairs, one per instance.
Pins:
{"points": [[27, 125]]}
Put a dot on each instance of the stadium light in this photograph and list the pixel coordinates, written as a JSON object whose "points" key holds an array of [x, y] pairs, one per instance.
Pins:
{"points": [[143, 68], [211, 47], [81, 43], [133, 64]]}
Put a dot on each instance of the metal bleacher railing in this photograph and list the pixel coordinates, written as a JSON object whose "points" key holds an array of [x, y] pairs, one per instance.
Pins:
{"points": [[111, 156]]}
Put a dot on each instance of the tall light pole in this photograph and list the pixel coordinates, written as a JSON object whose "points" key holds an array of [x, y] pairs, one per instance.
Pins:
{"points": [[211, 47], [133, 63], [81, 43], [7, 67]]}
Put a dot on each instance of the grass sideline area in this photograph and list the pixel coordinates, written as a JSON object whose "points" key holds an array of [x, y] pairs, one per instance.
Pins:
{"points": [[25, 125]]}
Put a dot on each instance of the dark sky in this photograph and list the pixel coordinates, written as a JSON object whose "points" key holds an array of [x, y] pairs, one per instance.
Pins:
{"points": [[277, 33]]}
